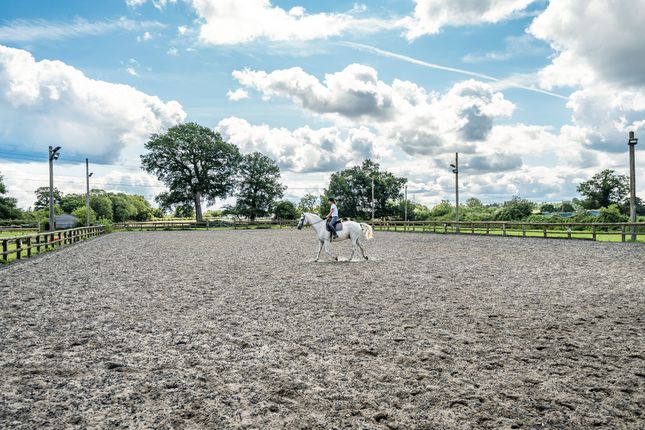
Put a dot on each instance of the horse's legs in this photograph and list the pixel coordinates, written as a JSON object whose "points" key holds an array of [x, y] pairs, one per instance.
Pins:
{"points": [[354, 242], [319, 249], [329, 253], [361, 248]]}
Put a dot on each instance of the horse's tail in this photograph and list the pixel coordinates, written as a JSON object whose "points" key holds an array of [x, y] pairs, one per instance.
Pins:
{"points": [[367, 230]]}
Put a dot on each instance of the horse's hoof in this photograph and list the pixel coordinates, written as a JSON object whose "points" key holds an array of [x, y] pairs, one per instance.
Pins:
{"points": [[336, 258], [366, 258]]}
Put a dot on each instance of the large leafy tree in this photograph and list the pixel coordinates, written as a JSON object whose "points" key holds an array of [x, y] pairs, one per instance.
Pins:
{"points": [[70, 202], [194, 163], [8, 209], [42, 197], [285, 210], [309, 203], [604, 189], [101, 204], [259, 185], [352, 189]]}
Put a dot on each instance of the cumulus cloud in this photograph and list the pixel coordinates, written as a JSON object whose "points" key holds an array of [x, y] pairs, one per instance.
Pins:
{"points": [[51, 103], [237, 95], [497, 162], [354, 92], [227, 22], [606, 65], [430, 16], [301, 150], [418, 121], [603, 34]]}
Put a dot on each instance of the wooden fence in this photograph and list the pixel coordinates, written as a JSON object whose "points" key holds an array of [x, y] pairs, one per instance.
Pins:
{"points": [[19, 225], [44, 241], [572, 230], [589, 231], [188, 225]]}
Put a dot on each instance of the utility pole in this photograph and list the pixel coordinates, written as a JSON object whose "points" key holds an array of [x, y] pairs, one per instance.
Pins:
{"points": [[372, 198], [455, 170], [53, 155], [406, 203], [87, 195], [632, 181]]}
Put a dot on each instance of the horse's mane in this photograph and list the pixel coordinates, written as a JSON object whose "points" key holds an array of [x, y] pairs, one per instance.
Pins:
{"points": [[312, 214]]}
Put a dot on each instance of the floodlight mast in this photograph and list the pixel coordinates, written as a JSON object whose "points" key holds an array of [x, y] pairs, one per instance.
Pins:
{"points": [[455, 170], [53, 155], [632, 182]]}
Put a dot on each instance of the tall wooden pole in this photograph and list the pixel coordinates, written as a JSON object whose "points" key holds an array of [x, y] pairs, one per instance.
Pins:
{"points": [[372, 198], [632, 182], [51, 189], [457, 188], [87, 194], [406, 202]]}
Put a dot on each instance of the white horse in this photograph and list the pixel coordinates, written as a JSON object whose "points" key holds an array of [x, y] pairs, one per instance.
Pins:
{"points": [[351, 230]]}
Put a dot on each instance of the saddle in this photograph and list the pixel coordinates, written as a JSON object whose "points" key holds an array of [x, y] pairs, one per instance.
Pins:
{"points": [[338, 225]]}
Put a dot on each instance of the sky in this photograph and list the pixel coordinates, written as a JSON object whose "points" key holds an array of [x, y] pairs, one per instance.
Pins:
{"points": [[536, 96]]}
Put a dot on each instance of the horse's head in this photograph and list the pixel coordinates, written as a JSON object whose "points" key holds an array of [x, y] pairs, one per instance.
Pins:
{"points": [[301, 224]]}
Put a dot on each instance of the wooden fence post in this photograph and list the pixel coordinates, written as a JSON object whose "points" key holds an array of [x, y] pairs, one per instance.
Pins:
{"points": [[29, 247], [5, 250], [593, 232], [504, 229], [18, 249], [622, 233], [545, 231], [523, 230]]}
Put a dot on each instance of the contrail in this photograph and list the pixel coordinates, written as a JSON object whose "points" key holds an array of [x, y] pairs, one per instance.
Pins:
{"points": [[384, 53]]}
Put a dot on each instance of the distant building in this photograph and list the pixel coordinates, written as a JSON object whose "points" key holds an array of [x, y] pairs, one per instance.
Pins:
{"points": [[64, 221]]}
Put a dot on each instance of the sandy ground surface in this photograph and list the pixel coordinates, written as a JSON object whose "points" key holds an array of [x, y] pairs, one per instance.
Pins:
{"points": [[239, 329]]}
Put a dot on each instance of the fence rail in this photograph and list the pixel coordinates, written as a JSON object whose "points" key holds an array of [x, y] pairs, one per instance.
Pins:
{"points": [[44, 241], [208, 224], [19, 225], [572, 230]]}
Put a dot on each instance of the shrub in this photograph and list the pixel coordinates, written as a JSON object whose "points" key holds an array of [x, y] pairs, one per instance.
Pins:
{"points": [[109, 227]]}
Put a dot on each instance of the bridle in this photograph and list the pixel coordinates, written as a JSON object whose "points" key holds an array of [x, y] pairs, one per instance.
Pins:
{"points": [[313, 223]]}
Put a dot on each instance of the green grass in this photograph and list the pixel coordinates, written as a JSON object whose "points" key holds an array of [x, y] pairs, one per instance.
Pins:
{"points": [[551, 234], [4, 234]]}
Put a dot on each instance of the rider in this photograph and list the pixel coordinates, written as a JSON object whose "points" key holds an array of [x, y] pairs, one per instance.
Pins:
{"points": [[332, 217]]}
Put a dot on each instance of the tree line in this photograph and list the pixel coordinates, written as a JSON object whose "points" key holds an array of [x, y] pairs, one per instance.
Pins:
{"points": [[198, 167]]}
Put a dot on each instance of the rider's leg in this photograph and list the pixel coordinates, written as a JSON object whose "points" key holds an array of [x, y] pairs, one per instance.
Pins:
{"points": [[332, 223]]}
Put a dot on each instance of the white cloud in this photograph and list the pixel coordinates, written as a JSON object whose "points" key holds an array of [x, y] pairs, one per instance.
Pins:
{"points": [[227, 22], [29, 30], [430, 16], [303, 149], [237, 95], [419, 122], [159, 4], [182, 30], [131, 71], [172, 51], [602, 34], [50, 103], [606, 65], [144, 37]]}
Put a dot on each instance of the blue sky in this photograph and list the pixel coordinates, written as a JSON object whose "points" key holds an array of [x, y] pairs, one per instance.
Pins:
{"points": [[319, 86]]}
